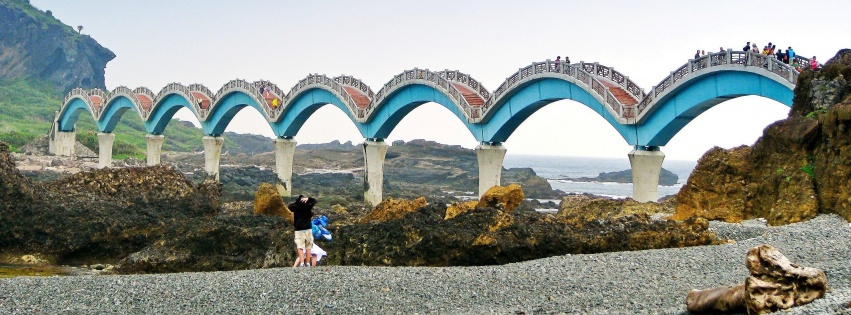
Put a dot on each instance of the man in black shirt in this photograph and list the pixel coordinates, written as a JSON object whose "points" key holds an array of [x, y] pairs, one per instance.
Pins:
{"points": [[302, 210]]}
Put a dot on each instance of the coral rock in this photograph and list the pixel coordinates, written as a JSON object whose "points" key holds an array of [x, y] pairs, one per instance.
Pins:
{"points": [[458, 208], [267, 201], [393, 209], [502, 197]]}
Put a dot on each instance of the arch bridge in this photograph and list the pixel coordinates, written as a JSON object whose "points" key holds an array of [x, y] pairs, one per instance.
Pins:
{"points": [[646, 120]]}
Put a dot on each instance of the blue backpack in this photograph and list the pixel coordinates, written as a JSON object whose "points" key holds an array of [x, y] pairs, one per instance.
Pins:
{"points": [[319, 230]]}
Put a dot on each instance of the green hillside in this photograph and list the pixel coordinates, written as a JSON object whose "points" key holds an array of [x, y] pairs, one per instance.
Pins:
{"points": [[27, 108]]}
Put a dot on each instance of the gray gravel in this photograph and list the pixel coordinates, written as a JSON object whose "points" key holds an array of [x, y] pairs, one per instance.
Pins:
{"points": [[640, 282]]}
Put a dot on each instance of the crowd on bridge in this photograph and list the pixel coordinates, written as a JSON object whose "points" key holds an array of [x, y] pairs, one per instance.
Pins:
{"points": [[787, 57]]}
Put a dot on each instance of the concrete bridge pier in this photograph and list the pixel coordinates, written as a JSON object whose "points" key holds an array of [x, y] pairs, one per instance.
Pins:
{"points": [[490, 158], [105, 141], [284, 151], [154, 148], [373, 176], [646, 162], [63, 143], [212, 155]]}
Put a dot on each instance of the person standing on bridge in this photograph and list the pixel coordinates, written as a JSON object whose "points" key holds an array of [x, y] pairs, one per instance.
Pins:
{"points": [[813, 64], [302, 210], [747, 47]]}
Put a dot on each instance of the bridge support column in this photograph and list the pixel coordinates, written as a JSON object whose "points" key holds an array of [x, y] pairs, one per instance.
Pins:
{"points": [[284, 151], [212, 155], [646, 165], [154, 149], [490, 165], [63, 143], [105, 141], [373, 175]]}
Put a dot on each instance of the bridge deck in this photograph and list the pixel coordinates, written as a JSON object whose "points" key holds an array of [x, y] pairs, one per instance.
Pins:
{"points": [[361, 100], [472, 98], [620, 94]]}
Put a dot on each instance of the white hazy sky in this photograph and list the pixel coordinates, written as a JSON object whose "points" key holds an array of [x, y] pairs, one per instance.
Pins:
{"points": [[212, 42]]}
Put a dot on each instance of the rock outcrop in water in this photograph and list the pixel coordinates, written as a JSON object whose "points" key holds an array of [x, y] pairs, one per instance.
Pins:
{"points": [[33, 44], [797, 169]]}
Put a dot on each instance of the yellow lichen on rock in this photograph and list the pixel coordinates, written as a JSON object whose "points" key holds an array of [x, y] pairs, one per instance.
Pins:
{"points": [[502, 197], [484, 240], [393, 209], [458, 208], [267, 201]]}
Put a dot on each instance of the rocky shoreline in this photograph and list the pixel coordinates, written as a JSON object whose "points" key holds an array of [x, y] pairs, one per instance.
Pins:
{"points": [[634, 282]]}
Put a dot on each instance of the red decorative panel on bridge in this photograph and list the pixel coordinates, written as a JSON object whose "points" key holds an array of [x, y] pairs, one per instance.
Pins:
{"points": [[361, 100], [472, 98], [620, 94], [203, 100], [97, 101], [145, 101]]}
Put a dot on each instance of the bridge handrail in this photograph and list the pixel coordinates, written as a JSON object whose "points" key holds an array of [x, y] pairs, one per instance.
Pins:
{"points": [[176, 87], [355, 83], [578, 71], [729, 57], [417, 74], [76, 92], [466, 79], [123, 90], [197, 87], [273, 111], [328, 82], [613, 76]]}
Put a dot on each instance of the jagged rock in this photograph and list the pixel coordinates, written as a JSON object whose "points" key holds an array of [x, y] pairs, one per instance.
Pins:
{"points": [[490, 236], [799, 167], [267, 201], [56, 162], [458, 208], [393, 209], [776, 283], [502, 197], [223, 243], [533, 185]]}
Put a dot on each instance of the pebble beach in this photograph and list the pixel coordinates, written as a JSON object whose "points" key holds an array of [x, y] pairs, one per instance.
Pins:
{"points": [[638, 282]]}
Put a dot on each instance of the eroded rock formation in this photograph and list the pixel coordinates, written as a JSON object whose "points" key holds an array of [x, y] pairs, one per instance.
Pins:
{"points": [[796, 170], [267, 201], [774, 284]]}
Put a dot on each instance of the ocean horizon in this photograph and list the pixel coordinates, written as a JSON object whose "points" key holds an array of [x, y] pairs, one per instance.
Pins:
{"points": [[557, 168]]}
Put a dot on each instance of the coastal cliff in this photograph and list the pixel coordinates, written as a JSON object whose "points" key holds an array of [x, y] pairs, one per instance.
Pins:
{"points": [[35, 45], [799, 168]]}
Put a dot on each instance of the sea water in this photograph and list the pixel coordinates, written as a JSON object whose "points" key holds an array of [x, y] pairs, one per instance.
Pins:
{"points": [[557, 170]]}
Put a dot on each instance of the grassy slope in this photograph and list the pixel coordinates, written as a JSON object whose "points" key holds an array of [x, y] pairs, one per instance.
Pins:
{"points": [[27, 108]]}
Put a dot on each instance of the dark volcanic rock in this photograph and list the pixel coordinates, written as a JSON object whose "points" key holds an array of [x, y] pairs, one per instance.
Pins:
{"points": [[488, 236], [33, 44], [94, 216]]}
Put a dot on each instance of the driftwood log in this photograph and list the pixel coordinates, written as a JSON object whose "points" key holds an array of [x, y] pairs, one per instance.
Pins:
{"points": [[775, 283], [727, 299]]}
